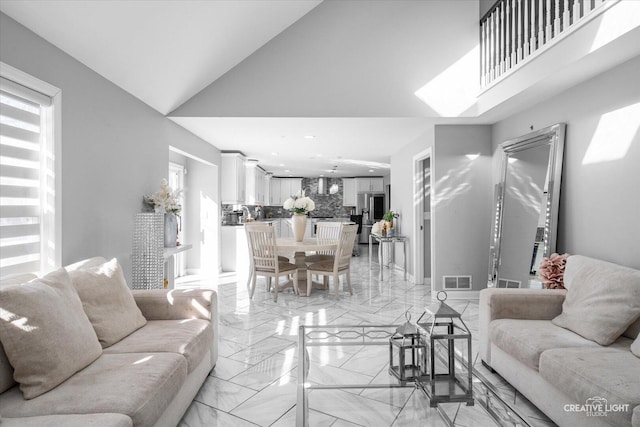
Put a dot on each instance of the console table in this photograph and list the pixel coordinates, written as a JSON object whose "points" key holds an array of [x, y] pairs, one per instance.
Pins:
{"points": [[389, 240], [170, 263]]}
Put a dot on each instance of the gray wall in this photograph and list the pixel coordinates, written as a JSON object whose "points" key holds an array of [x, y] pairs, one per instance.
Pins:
{"points": [[599, 200], [115, 149], [461, 203]]}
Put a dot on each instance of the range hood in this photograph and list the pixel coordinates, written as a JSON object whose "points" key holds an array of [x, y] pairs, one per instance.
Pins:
{"points": [[322, 185]]}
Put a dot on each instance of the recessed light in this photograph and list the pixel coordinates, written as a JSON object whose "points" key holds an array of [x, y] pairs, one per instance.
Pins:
{"points": [[309, 136], [281, 165], [287, 170], [370, 170], [321, 175], [274, 154]]}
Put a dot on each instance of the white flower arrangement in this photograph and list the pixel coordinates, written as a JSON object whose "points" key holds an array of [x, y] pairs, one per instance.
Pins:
{"points": [[377, 228], [165, 200], [299, 204]]}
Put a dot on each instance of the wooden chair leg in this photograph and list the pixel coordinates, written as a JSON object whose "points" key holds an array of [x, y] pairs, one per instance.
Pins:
{"points": [[249, 281], [275, 288], [309, 283], [336, 283], [253, 285], [348, 273]]}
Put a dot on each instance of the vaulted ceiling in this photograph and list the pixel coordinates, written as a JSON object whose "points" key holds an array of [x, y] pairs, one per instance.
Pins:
{"points": [[258, 76]]}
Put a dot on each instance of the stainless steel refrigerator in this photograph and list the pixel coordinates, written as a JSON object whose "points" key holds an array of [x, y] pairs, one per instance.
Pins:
{"points": [[372, 207]]}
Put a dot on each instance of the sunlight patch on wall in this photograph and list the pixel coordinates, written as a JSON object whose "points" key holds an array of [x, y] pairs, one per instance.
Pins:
{"points": [[454, 90], [615, 132]]}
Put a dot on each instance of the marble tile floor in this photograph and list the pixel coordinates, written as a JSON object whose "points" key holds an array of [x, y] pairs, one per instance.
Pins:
{"points": [[254, 381]]}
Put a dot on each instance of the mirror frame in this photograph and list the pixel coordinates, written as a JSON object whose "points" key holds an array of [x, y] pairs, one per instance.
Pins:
{"points": [[554, 137]]}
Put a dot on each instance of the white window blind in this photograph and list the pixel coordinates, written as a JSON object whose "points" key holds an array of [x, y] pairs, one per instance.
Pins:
{"points": [[27, 180]]}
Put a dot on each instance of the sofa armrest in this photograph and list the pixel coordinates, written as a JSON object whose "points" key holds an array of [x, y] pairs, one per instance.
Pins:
{"points": [[533, 304], [175, 304]]}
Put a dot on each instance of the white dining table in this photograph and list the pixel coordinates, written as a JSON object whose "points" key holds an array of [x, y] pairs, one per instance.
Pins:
{"points": [[286, 246]]}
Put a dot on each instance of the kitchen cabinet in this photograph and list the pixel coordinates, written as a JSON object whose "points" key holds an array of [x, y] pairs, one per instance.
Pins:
{"points": [[254, 192], [283, 188], [369, 185], [266, 187], [349, 195], [233, 177]]}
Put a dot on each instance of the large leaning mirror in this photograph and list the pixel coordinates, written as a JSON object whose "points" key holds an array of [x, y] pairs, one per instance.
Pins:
{"points": [[526, 203]]}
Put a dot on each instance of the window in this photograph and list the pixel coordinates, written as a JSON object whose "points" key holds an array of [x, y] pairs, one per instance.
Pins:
{"points": [[29, 174]]}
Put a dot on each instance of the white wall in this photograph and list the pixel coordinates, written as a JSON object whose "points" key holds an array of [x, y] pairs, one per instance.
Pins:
{"points": [[600, 196], [115, 149], [402, 179], [347, 58]]}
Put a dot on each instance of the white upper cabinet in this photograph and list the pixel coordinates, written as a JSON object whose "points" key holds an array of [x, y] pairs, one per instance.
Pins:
{"points": [[233, 178], [254, 183], [369, 185], [349, 195], [283, 188]]}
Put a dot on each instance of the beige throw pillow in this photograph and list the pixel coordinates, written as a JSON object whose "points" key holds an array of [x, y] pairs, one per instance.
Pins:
{"points": [[108, 301], [603, 300], [45, 333]]}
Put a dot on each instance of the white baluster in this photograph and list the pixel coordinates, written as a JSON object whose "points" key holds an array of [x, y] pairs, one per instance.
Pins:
{"points": [[556, 21], [548, 30], [541, 24], [483, 54], [507, 40], [519, 53], [514, 31], [527, 26], [502, 39], [492, 46], [586, 7], [576, 11], [566, 16]]}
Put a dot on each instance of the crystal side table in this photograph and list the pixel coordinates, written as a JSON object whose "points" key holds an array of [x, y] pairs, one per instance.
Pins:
{"points": [[389, 240]]}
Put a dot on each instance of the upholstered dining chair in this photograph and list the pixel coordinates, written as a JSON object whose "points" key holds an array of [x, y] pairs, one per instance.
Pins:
{"points": [[341, 262], [326, 232], [280, 258], [264, 259]]}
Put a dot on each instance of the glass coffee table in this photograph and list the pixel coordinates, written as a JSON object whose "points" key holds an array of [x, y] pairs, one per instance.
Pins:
{"points": [[343, 374]]}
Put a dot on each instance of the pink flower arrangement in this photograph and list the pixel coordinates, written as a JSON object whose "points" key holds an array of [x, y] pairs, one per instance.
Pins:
{"points": [[552, 271]]}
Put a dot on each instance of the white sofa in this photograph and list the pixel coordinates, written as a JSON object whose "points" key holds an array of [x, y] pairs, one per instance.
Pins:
{"points": [[147, 378], [563, 373]]}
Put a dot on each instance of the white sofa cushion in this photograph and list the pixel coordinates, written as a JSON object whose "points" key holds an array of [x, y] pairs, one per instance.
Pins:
{"points": [[108, 301], [611, 373], [45, 333], [138, 385], [192, 338], [603, 299], [526, 340]]}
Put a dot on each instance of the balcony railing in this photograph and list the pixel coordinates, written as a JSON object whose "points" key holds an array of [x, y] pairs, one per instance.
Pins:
{"points": [[513, 30]]}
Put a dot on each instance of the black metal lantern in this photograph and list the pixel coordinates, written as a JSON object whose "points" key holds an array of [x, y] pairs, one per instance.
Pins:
{"points": [[411, 349], [448, 381]]}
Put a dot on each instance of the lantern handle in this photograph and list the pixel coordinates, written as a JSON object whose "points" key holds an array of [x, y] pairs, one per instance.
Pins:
{"points": [[444, 298]]}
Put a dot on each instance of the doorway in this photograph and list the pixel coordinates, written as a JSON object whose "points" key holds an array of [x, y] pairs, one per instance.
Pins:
{"points": [[423, 222], [176, 182]]}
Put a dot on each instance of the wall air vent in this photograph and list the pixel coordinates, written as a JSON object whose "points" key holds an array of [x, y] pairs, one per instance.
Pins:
{"points": [[461, 283], [508, 283]]}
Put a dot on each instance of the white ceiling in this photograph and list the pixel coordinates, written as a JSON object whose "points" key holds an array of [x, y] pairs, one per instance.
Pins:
{"points": [[164, 52], [350, 146]]}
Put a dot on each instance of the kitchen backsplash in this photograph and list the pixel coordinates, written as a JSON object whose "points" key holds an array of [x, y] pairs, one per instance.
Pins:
{"points": [[327, 205]]}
